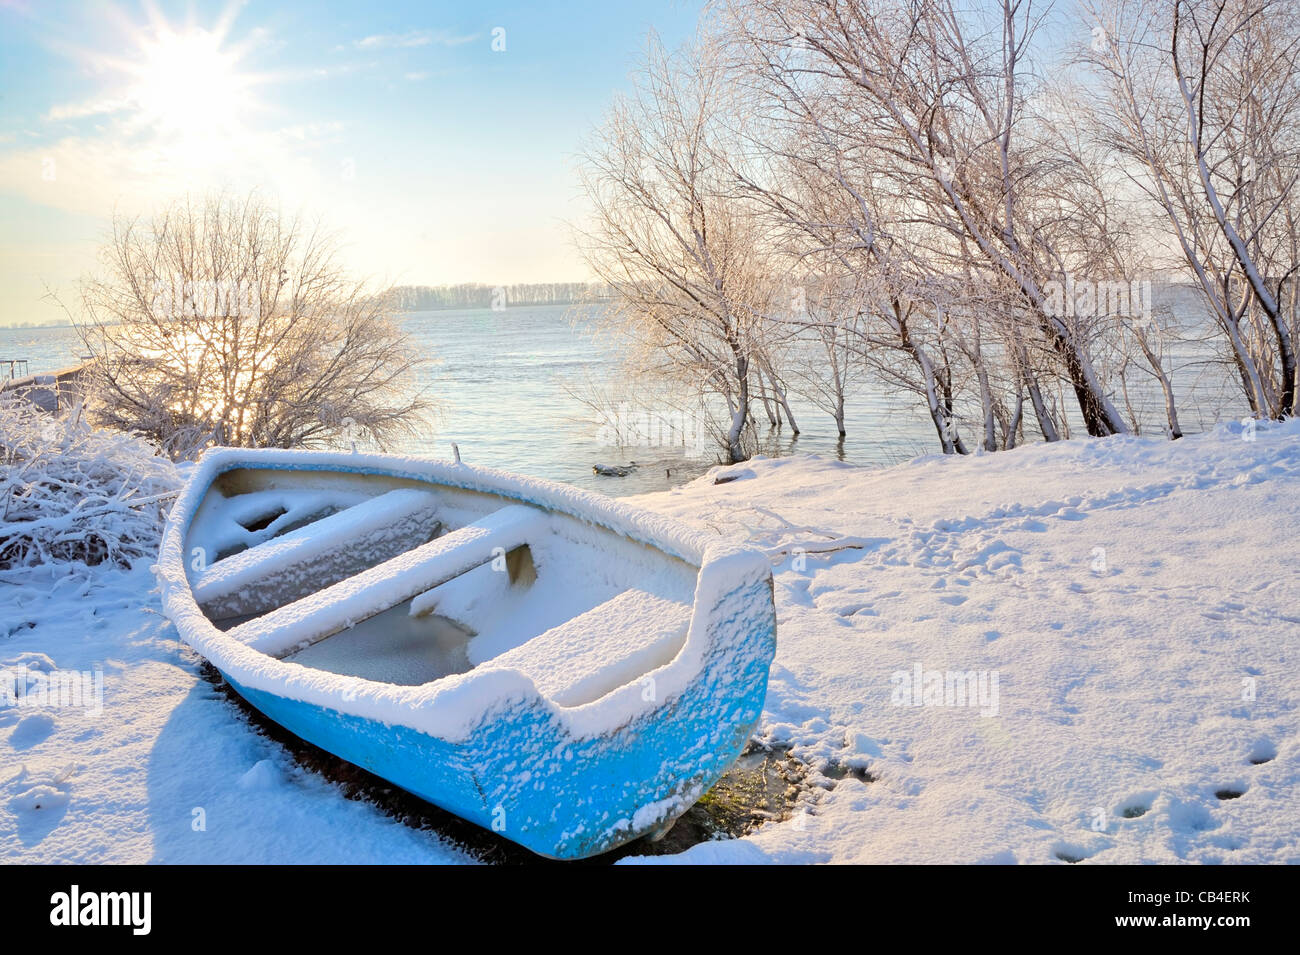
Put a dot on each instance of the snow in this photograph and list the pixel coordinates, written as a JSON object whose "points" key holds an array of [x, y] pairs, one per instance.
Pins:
{"points": [[607, 647], [72, 493], [296, 563], [393, 647], [1137, 600], [169, 772], [397, 579]]}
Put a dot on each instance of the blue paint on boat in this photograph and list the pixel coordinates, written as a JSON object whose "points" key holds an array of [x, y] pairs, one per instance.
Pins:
{"points": [[521, 774]]}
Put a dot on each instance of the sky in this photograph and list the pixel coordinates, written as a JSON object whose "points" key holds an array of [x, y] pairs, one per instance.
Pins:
{"points": [[438, 139]]}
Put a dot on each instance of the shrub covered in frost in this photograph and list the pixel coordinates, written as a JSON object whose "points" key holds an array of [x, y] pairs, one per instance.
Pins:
{"points": [[69, 492]]}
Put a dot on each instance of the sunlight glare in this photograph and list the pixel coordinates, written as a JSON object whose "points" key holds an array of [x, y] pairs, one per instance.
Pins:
{"points": [[188, 85]]}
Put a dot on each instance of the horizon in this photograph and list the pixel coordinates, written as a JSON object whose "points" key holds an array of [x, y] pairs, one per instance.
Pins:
{"points": [[477, 116], [65, 320]]}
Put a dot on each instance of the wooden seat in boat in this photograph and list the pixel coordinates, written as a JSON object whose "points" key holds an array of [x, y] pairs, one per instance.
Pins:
{"points": [[612, 644], [383, 586], [300, 562]]}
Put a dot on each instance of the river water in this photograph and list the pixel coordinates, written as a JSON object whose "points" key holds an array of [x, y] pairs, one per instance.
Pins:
{"points": [[505, 383]]}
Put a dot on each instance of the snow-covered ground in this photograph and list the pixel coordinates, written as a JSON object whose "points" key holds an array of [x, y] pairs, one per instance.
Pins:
{"points": [[1127, 611]]}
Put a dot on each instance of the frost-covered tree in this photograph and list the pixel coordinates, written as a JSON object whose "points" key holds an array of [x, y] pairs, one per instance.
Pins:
{"points": [[1203, 101], [223, 322], [937, 96], [70, 493], [683, 256]]}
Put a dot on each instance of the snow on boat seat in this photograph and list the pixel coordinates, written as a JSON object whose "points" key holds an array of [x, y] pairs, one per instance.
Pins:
{"points": [[379, 588], [290, 567], [610, 645]]}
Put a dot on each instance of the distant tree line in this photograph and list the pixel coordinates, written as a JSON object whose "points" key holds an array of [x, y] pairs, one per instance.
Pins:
{"points": [[414, 298]]}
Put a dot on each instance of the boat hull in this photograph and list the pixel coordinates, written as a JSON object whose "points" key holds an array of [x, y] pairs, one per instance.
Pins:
{"points": [[522, 775], [565, 782]]}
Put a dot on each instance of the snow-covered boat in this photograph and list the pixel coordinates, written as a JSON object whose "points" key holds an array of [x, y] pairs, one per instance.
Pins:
{"points": [[551, 664]]}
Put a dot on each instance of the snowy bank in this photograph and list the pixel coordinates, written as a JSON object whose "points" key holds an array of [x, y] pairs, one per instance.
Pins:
{"points": [[1137, 600], [1125, 610]]}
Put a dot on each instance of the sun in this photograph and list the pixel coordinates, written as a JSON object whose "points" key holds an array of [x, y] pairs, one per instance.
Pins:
{"points": [[187, 84], [186, 103]]}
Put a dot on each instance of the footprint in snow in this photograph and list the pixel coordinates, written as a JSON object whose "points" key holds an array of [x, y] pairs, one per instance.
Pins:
{"points": [[38, 798], [863, 611], [40, 804], [39, 810], [29, 661], [1073, 853], [1187, 816], [1262, 752], [1136, 806], [1229, 842], [32, 730]]}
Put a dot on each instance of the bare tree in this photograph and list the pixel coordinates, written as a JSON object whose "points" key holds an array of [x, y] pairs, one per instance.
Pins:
{"points": [[1204, 100], [681, 253], [961, 226], [1107, 236], [223, 322], [832, 311], [937, 97]]}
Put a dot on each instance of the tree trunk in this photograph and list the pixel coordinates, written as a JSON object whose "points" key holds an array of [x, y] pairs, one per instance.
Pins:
{"points": [[766, 402], [942, 425], [1099, 416], [986, 402], [1009, 437], [739, 413], [1171, 408], [1045, 422], [783, 403]]}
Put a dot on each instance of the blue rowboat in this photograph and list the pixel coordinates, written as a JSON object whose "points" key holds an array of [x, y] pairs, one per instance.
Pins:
{"points": [[551, 664]]}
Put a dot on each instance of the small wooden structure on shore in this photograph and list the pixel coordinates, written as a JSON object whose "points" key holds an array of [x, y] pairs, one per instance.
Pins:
{"points": [[52, 391], [15, 365]]}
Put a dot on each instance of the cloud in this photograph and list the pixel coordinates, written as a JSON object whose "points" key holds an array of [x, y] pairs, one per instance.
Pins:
{"points": [[95, 107], [411, 38], [418, 75], [135, 173]]}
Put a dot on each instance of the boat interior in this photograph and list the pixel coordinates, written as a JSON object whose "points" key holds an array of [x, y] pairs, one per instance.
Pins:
{"points": [[406, 581]]}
